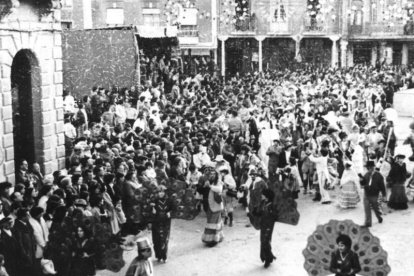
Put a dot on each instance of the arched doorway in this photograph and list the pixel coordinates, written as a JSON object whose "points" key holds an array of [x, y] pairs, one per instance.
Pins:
{"points": [[25, 87]]}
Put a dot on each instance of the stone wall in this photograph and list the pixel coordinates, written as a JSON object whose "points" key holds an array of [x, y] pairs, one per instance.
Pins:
{"points": [[24, 29]]}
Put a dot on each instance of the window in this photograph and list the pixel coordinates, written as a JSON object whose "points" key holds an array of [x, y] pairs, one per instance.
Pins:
{"points": [[151, 19], [150, 4], [279, 14], [66, 25], [115, 16]]}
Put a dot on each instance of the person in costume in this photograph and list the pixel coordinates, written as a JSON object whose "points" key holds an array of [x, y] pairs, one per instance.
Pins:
{"points": [[344, 261], [84, 250], [410, 141], [321, 164], [349, 187], [141, 265], [373, 184], [161, 225], [213, 232], [396, 179], [266, 212], [229, 194]]}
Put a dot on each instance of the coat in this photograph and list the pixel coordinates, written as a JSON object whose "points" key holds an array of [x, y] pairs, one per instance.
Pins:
{"points": [[212, 203], [41, 234], [10, 249], [377, 184], [26, 240]]}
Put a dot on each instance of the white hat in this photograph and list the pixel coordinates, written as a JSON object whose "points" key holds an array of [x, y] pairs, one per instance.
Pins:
{"points": [[219, 158]]}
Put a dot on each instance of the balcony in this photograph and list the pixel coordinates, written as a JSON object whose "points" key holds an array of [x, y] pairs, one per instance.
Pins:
{"points": [[319, 26], [382, 29], [188, 36], [245, 27], [313, 25], [279, 27]]}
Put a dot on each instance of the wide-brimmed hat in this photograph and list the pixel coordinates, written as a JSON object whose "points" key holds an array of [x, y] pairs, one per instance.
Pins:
{"points": [[400, 156], [81, 202], [219, 158]]}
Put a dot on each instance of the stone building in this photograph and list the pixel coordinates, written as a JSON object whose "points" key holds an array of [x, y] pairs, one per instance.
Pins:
{"points": [[31, 86]]}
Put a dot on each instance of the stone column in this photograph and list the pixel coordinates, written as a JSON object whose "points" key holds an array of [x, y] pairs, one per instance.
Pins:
{"points": [[350, 55], [260, 40], [344, 48], [374, 54], [404, 54], [297, 40], [334, 51], [382, 51], [223, 55]]}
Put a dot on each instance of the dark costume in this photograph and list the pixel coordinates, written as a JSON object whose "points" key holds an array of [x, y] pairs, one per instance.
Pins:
{"points": [[11, 251], [23, 233], [266, 213], [161, 227], [373, 184], [84, 266], [346, 264], [396, 179], [59, 251]]}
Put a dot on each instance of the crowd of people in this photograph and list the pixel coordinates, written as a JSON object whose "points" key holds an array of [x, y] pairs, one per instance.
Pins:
{"points": [[318, 131]]}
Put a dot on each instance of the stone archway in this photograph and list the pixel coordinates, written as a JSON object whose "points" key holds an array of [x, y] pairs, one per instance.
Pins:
{"points": [[26, 99]]}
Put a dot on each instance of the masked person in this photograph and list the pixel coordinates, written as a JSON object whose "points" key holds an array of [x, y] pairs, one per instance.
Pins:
{"points": [[142, 265]]}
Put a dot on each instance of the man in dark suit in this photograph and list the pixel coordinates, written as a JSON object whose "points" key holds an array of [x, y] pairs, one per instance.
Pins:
{"points": [[23, 233], [373, 184], [9, 248]]}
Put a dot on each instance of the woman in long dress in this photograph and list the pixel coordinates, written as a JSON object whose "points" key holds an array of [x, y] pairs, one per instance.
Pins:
{"points": [[349, 187], [396, 180], [213, 232]]}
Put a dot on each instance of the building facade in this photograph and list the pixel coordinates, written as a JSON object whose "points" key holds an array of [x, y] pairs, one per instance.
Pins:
{"points": [[31, 86], [241, 35], [192, 23], [264, 34]]}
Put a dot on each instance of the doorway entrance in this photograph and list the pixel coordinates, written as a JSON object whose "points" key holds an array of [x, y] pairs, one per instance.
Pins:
{"points": [[25, 87]]}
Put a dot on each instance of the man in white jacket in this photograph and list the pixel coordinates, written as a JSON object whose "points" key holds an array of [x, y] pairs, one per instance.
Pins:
{"points": [[321, 163]]}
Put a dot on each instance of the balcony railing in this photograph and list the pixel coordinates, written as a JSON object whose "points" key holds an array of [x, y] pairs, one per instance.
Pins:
{"points": [[314, 25], [247, 26], [187, 33], [382, 29], [279, 27]]}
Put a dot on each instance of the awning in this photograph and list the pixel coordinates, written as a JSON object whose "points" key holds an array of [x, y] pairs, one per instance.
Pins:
{"points": [[156, 31]]}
